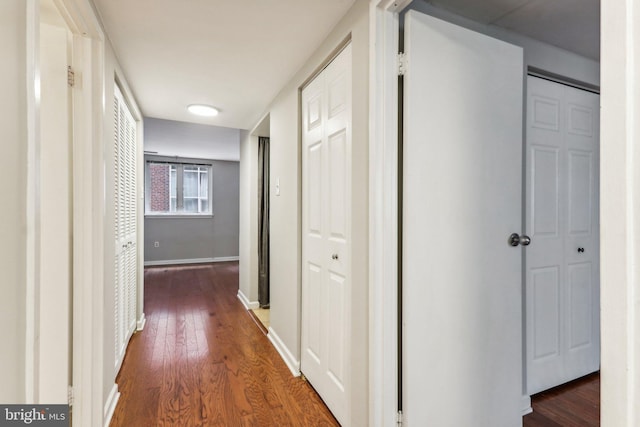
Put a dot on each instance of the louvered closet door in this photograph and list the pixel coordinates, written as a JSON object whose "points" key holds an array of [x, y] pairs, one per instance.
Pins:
{"points": [[125, 224]]}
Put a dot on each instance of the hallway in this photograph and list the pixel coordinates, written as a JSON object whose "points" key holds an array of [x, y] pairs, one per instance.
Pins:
{"points": [[202, 361]]}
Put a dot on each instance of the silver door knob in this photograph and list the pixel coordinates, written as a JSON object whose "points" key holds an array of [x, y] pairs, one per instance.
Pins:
{"points": [[334, 256], [515, 239]]}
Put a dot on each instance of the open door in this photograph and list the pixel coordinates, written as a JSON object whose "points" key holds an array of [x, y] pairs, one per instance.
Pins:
{"points": [[462, 200], [263, 222]]}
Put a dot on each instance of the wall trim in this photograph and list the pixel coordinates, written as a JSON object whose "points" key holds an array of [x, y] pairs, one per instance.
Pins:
{"points": [[285, 354], [526, 405], [141, 322], [191, 261], [110, 405], [249, 305]]}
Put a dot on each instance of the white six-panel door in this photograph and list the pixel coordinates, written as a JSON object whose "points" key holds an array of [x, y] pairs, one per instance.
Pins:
{"points": [[462, 198], [562, 262], [326, 217]]}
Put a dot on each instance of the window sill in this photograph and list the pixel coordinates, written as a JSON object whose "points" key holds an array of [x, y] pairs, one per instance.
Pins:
{"points": [[179, 216]]}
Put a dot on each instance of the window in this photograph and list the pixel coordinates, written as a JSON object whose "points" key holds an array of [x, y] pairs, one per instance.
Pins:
{"points": [[174, 188]]}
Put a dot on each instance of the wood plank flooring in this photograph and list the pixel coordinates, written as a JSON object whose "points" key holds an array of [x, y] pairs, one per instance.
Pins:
{"points": [[202, 360], [576, 404]]}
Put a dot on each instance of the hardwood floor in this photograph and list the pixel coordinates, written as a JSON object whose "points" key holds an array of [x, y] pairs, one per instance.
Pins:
{"points": [[576, 404], [202, 360]]}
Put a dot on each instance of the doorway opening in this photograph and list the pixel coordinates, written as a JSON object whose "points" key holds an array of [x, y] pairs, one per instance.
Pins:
{"points": [[583, 165]]}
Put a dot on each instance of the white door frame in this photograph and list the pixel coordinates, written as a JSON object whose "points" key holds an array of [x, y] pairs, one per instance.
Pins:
{"points": [[619, 216], [88, 204], [620, 213], [383, 211]]}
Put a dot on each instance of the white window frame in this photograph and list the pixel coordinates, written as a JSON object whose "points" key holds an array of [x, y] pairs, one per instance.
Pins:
{"points": [[179, 164]]}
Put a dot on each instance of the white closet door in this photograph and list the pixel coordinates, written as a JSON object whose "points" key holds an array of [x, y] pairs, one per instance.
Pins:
{"points": [[562, 278], [125, 166], [326, 241], [462, 199]]}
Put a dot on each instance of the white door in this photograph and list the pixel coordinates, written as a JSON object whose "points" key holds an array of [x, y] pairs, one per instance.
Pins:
{"points": [[562, 262], [125, 205], [326, 219], [462, 199]]}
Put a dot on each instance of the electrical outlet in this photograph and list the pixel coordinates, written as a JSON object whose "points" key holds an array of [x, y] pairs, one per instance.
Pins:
{"points": [[156, 244]]}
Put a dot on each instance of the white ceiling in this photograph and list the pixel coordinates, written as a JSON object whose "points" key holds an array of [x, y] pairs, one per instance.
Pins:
{"points": [[234, 54], [237, 54]]}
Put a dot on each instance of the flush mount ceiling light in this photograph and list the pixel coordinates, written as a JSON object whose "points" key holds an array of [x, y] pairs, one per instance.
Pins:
{"points": [[202, 110]]}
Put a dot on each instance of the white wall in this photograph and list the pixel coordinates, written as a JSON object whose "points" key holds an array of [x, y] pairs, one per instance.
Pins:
{"points": [[285, 224], [537, 54], [249, 216], [13, 126]]}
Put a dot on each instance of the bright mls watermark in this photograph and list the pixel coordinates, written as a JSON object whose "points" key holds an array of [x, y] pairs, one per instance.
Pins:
{"points": [[35, 415]]}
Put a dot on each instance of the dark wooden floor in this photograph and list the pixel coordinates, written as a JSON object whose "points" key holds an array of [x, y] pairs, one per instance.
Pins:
{"points": [[202, 361], [576, 404]]}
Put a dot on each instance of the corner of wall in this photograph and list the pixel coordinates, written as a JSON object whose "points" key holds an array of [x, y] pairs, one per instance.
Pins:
{"points": [[287, 356], [248, 236]]}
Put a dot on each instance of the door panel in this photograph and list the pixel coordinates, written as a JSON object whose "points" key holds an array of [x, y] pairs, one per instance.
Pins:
{"points": [[580, 200], [546, 312], [338, 175], [545, 191], [573, 249], [326, 219], [580, 305], [462, 179]]}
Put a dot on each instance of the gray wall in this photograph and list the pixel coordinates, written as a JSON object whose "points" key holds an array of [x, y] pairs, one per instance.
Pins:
{"points": [[200, 238]]}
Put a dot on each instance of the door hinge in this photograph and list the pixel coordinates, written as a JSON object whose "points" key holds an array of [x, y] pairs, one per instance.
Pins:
{"points": [[399, 419], [402, 63], [70, 395], [71, 77]]}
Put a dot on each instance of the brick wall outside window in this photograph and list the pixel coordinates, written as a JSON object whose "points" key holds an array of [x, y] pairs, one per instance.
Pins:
{"points": [[159, 180]]}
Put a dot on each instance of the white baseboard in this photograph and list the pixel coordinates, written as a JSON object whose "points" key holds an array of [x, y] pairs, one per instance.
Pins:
{"points": [[287, 356], [526, 405], [110, 405], [191, 261], [249, 305], [141, 322]]}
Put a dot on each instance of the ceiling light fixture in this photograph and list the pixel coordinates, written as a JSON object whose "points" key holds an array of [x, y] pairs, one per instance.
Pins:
{"points": [[202, 110]]}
